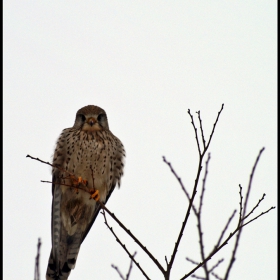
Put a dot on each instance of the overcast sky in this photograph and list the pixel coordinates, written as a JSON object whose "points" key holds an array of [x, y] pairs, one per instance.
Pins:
{"points": [[146, 63]]}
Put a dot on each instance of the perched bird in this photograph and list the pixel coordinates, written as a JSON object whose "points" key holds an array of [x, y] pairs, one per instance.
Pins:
{"points": [[87, 155]]}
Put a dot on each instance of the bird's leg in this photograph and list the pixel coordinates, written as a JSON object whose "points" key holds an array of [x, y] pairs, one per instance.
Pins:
{"points": [[93, 192]]}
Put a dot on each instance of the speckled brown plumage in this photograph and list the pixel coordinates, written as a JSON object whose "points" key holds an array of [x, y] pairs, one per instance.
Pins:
{"points": [[89, 146]]}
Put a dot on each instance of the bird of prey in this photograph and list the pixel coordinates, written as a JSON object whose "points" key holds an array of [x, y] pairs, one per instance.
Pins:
{"points": [[86, 154]]}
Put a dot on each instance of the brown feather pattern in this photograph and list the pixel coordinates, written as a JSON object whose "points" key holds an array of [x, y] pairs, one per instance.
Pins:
{"points": [[81, 149]]}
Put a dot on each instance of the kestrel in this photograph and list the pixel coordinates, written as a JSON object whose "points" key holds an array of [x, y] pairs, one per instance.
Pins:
{"points": [[86, 154]]}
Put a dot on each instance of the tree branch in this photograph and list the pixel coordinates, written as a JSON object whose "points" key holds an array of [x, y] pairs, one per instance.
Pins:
{"points": [[124, 247]]}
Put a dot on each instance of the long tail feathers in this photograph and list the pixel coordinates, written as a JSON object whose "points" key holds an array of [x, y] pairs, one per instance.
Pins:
{"points": [[54, 273], [59, 268], [65, 247]]}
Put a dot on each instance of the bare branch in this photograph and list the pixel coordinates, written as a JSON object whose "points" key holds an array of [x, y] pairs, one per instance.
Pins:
{"points": [[201, 246], [177, 177], [233, 256], [240, 205], [257, 205], [192, 261], [198, 277], [216, 265], [210, 255], [184, 222], [133, 237], [195, 130], [130, 267], [201, 155], [250, 182], [224, 230], [117, 269], [222, 245], [37, 261], [129, 270], [199, 223], [52, 165], [124, 247], [203, 184], [201, 130], [166, 261], [214, 126], [271, 208], [216, 276]]}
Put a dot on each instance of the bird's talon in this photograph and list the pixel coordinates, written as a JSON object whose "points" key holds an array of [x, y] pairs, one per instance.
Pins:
{"points": [[95, 195], [78, 181]]}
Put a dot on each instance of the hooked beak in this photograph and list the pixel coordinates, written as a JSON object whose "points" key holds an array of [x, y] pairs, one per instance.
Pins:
{"points": [[91, 121]]}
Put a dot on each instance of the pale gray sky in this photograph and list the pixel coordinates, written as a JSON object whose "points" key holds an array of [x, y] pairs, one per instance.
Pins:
{"points": [[146, 63]]}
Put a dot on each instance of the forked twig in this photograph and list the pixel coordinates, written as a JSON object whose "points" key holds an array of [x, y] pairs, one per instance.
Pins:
{"points": [[233, 255], [124, 247], [129, 270], [191, 199]]}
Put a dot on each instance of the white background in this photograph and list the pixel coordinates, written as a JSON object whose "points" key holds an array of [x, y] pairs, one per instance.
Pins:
{"points": [[146, 63]]}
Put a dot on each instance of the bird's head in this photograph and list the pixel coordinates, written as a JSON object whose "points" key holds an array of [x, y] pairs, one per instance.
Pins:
{"points": [[91, 118]]}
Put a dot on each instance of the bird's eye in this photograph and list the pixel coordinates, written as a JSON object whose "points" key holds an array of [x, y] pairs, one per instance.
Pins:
{"points": [[101, 117], [83, 118]]}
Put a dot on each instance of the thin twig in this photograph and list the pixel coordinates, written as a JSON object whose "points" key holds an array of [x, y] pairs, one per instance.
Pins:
{"points": [[271, 208], [166, 261], [203, 184], [130, 266], [216, 265], [185, 220], [250, 182], [177, 177], [37, 261], [223, 231], [240, 204], [198, 277], [233, 255], [198, 216], [195, 130], [129, 270], [117, 269], [52, 165], [216, 276], [214, 126], [124, 247], [201, 246], [191, 261], [133, 237], [257, 205], [201, 129], [210, 255]]}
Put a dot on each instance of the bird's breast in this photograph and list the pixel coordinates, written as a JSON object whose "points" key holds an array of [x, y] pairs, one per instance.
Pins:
{"points": [[93, 158]]}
